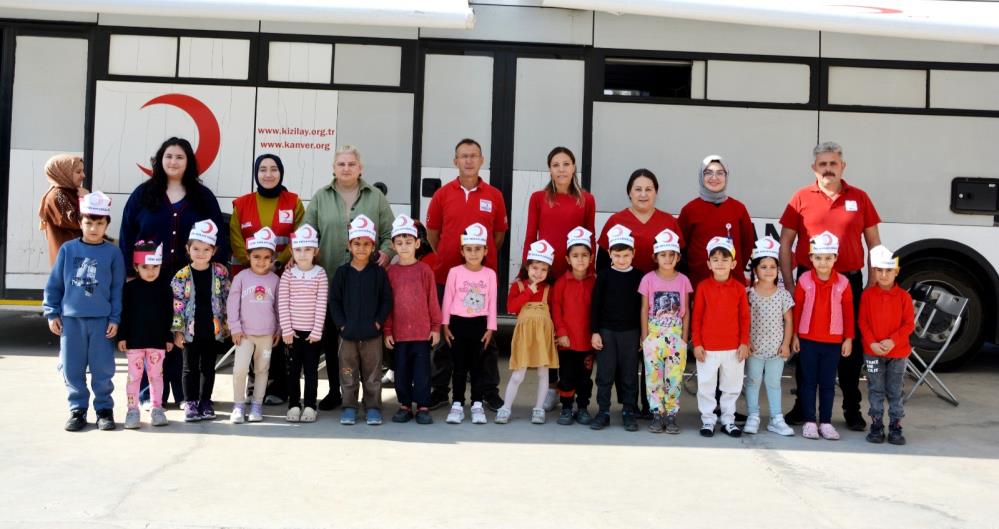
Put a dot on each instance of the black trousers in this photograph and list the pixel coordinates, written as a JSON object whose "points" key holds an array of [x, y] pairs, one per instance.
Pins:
{"points": [[303, 356], [199, 368], [575, 382], [849, 367], [442, 366], [467, 355], [617, 366], [277, 375]]}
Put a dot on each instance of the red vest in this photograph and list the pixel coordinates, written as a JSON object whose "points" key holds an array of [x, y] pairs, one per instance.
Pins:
{"points": [[283, 222]]}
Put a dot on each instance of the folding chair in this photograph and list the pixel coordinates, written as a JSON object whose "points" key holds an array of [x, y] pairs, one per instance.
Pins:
{"points": [[225, 357], [938, 316]]}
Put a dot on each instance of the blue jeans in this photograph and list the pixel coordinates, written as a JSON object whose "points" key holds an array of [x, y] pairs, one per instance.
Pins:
{"points": [[83, 344], [412, 373], [884, 378], [768, 371], [819, 362]]}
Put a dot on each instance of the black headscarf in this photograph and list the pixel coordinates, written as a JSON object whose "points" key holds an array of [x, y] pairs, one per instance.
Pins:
{"points": [[276, 190]]}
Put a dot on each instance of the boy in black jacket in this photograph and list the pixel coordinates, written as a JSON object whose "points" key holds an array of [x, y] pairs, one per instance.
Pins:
{"points": [[360, 301], [616, 326], [144, 334]]}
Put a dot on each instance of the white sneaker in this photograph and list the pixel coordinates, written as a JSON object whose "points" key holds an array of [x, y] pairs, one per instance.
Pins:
{"points": [[779, 427], [502, 416], [309, 415], [538, 416], [478, 413], [294, 414], [456, 415], [388, 377], [752, 424], [551, 399]]}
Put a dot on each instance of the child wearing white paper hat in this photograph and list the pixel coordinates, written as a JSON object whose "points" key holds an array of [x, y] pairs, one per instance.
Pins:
{"points": [[665, 329], [468, 320], [770, 333], [253, 321], [302, 295], [533, 344], [571, 303], [200, 290], [720, 336], [823, 332], [886, 320], [83, 305]]}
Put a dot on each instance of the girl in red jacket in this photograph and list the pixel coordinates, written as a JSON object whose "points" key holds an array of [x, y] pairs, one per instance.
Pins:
{"points": [[886, 321]]}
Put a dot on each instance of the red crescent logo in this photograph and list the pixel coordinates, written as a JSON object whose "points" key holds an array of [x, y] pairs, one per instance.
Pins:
{"points": [[209, 135], [309, 233], [363, 224], [477, 232], [770, 243], [267, 235], [872, 10], [544, 247], [669, 237], [577, 233], [827, 239], [616, 231], [208, 228]]}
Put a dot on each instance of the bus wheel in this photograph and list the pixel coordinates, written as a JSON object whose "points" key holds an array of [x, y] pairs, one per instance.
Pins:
{"points": [[957, 280]]}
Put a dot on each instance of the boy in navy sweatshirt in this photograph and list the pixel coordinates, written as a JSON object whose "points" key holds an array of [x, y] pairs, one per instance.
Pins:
{"points": [[83, 306]]}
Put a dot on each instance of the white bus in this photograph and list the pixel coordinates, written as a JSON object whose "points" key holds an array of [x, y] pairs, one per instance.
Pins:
{"points": [[918, 118]]}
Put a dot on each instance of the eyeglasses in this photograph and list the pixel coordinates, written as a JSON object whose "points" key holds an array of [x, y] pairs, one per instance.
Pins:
{"points": [[469, 157], [721, 173]]}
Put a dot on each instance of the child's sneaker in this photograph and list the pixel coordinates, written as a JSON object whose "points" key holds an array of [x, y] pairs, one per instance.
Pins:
{"points": [[827, 431], [294, 414], [671, 425], [77, 420], [132, 419], [565, 417], [105, 420], [256, 412], [600, 421], [207, 410], [309, 414], [538, 416], [877, 433], [373, 417], [238, 415], [478, 413], [752, 423], [779, 427], [630, 422], [457, 414], [423, 416], [731, 430], [348, 417], [405, 414], [895, 436], [191, 413], [502, 416], [157, 416], [657, 425], [707, 429], [583, 416], [810, 430], [551, 399]]}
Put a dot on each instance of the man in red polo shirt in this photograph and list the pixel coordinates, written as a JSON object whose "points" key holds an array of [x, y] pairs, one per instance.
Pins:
{"points": [[458, 204], [846, 211]]}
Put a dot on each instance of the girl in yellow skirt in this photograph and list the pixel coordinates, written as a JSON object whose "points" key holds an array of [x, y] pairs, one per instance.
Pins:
{"points": [[533, 343]]}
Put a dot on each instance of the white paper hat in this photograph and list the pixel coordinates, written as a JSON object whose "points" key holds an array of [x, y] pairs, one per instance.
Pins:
{"points": [[404, 225], [721, 242], [766, 247], [476, 234], [541, 251], [882, 257], [824, 242], [579, 235], [205, 231], [362, 226], [147, 257], [264, 238], [619, 234], [95, 203], [666, 240], [305, 237]]}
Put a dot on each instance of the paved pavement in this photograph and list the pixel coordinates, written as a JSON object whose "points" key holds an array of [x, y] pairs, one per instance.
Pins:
{"points": [[275, 474]]}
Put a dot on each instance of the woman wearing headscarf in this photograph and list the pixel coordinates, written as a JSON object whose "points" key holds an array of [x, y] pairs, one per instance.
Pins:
{"points": [[59, 210], [271, 205], [712, 214]]}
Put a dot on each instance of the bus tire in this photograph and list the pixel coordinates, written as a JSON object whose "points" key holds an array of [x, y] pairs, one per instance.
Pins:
{"points": [[959, 281]]}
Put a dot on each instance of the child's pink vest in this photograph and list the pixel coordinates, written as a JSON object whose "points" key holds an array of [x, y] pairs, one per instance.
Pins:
{"points": [[807, 283]]}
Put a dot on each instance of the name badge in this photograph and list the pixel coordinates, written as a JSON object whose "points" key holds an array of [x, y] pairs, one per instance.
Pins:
{"points": [[851, 205], [246, 225], [287, 216], [485, 205]]}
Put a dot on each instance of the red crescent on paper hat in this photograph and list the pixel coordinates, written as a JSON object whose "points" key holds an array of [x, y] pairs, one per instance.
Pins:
{"points": [[267, 235], [827, 239], [669, 236], [770, 243], [544, 247], [616, 231], [364, 222], [208, 228], [477, 232], [577, 233], [309, 232]]}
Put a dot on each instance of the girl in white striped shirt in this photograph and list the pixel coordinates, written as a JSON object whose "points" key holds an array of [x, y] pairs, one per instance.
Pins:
{"points": [[302, 295]]}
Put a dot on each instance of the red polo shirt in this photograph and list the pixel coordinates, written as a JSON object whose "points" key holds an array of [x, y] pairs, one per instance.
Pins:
{"points": [[810, 212], [451, 211]]}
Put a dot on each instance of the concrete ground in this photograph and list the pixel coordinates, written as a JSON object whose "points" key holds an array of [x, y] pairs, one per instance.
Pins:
{"points": [[276, 474]]}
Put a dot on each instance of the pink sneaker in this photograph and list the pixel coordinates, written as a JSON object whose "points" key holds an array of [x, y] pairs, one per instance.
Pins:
{"points": [[828, 432], [810, 431]]}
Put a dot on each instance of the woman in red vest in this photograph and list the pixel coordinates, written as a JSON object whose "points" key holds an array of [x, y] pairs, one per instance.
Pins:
{"points": [[281, 210], [271, 205]]}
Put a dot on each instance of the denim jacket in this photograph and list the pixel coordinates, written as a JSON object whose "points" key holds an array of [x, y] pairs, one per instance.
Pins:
{"points": [[182, 285]]}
